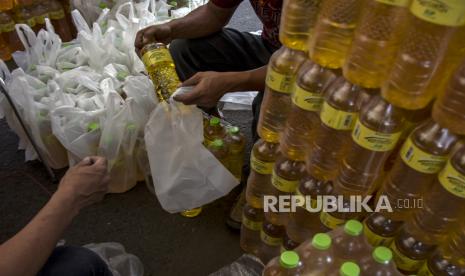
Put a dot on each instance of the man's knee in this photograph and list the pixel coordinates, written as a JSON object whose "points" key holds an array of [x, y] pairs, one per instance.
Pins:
{"points": [[74, 261]]}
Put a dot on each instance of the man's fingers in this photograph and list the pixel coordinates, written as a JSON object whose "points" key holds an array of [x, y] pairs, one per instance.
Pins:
{"points": [[195, 79], [99, 161], [188, 98]]}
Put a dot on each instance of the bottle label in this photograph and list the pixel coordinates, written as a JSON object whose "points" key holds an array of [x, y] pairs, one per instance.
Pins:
{"points": [[156, 56], [57, 15], [329, 221], [302, 198], [307, 100], [31, 22], [374, 140], [420, 160], [425, 271], [375, 239], [400, 3], [260, 166], [8, 27], [269, 240], [279, 82], [452, 180], [403, 262], [441, 12], [251, 225], [284, 185], [337, 119], [40, 19]]}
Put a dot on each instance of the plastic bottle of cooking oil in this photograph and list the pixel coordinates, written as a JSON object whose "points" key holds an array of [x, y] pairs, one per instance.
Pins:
{"points": [[429, 30], [346, 269], [307, 100], [58, 17], [6, 5], [375, 135], [297, 21], [66, 5], [316, 255], [8, 32], [288, 244], [349, 243], [252, 222], [214, 130], [430, 225], [287, 264], [262, 160], [449, 258], [24, 13], [160, 67], [5, 52], [448, 109], [380, 263], [337, 118], [422, 156], [281, 74], [284, 180], [271, 237], [334, 31], [40, 11], [376, 40], [236, 144], [305, 223]]}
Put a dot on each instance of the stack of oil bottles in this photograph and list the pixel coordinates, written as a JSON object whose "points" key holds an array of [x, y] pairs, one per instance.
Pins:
{"points": [[365, 98], [32, 13]]}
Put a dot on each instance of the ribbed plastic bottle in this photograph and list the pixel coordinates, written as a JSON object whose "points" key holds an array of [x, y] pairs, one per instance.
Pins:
{"points": [[262, 160], [287, 264], [337, 119], [316, 255], [449, 257], [430, 27], [430, 225], [214, 130], [349, 243], [304, 223], [236, 144], [288, 244], [6, 5], [307, 99], [298, 18], [334, 31], [252, 222], [284, 181], [422, 156], [5, 52], [57, 14], [346, 269], [40, 12], [380, 263], [448, 109], [8, 32], [24, 13], [375, 135], [376, 41], [276, 105], [271, 237]]}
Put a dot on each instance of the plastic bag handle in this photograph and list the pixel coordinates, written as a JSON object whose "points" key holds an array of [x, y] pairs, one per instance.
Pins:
{"points": [[80, 22], [123, 20], [26, 35], [4, 71]]}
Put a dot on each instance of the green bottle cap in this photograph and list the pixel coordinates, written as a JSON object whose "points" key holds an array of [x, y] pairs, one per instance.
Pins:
{"points": [[215, 121], [349, 269], [93, 126], [289, 259], [217, 144], [234, 130], [321, 241], [382, 255], [353, 227]]}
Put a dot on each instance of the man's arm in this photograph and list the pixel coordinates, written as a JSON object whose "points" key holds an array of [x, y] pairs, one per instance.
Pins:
{"points": [[27, 252]]}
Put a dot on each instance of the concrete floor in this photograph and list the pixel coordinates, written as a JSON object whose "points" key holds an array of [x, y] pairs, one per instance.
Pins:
{"points": [[166, 244]]}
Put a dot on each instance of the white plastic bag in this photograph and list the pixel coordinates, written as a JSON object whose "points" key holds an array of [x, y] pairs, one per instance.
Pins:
{"points": [[70, 57], [185, 174]]}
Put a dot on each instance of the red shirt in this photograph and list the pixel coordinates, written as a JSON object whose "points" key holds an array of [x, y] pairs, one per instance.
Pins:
{"points": [[269, 13]]}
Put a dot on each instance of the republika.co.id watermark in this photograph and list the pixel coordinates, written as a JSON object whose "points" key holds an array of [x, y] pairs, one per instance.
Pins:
{"points": [[330, 203]]}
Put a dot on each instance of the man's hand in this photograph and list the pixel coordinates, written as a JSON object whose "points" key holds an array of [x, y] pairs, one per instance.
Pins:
{"points": [[157, 33], [86, 183], [208, 89]]}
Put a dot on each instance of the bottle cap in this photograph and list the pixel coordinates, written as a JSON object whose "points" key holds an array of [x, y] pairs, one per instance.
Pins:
{"points": [[353, 227], [234, 130], [382, 255], [349, 269], [215, 121], [321, 241], [289, 259], [93, 126], [217, 143]]}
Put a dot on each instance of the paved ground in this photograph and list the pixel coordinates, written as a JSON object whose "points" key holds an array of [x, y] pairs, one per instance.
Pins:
{"points": [[167, 244]]}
